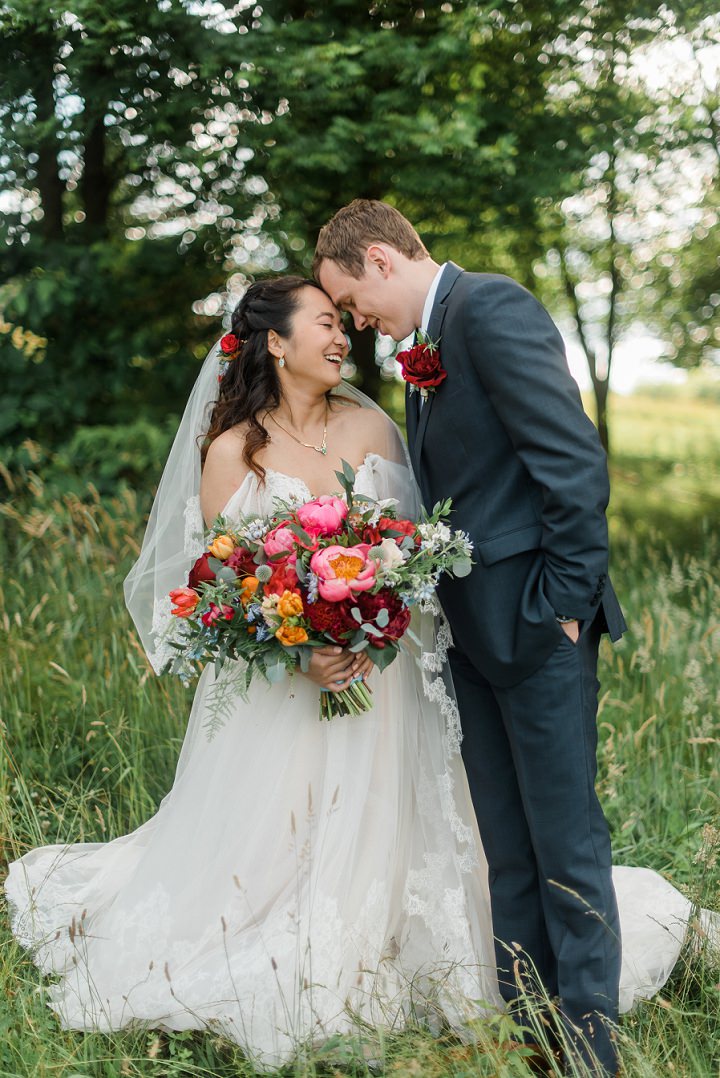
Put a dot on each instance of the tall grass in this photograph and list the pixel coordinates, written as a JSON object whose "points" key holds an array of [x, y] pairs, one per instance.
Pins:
{"points": [[90, 739]]}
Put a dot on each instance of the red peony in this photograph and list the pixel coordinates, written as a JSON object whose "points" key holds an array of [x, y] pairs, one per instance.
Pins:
{"points": [[421, 367], [334, 619], [201, 573], [375, 533], [371, 605], [284, 578]]}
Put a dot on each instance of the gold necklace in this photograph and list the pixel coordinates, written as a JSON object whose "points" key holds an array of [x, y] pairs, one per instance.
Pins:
{"points": [[322, 448]]}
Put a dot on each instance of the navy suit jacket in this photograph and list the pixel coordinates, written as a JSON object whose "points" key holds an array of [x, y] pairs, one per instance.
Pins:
{"points": [[505, 436]]}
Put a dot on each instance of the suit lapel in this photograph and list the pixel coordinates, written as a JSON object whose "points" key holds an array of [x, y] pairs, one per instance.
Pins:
{"points": [[434, 332], [411, 415]]}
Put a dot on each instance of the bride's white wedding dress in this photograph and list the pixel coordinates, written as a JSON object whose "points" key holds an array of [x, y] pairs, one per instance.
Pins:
{"points": [[299, 873]]}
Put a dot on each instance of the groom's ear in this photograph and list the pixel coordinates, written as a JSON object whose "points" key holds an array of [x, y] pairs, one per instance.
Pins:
{"points": [[380, 257]]}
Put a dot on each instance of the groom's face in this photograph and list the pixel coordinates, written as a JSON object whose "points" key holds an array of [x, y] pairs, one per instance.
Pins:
{"points": [[374, 300]]}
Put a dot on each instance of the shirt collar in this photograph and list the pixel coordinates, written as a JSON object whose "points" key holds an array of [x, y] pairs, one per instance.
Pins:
{"points": [[430, 299]]}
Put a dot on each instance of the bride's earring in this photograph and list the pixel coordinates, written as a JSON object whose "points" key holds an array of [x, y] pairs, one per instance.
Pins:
{"points": [[281, 361]]}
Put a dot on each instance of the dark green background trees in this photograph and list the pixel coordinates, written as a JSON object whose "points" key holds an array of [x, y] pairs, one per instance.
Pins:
{"points": [[155, 156]]}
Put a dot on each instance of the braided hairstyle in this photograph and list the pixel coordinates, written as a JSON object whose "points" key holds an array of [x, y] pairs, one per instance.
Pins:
{"points": [[251, 384]]}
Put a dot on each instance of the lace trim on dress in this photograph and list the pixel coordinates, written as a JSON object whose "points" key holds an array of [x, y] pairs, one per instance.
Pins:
{"points": [[194, 528], [167, 630]]}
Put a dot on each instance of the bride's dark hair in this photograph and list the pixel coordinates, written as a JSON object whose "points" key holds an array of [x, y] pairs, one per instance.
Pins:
{"points": [[250, 385]]}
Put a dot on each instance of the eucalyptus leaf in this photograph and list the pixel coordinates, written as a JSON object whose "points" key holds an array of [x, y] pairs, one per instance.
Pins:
{"points": [[368, 628], [226, 575], [356, 614], [383, 617], [382, 657], [300, 534], [300, 571], [275, 673], [461, 567], [215, 564], [355, 648]]}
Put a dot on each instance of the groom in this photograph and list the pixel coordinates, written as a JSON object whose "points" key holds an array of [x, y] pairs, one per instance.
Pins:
{"points": [[504, 435]]}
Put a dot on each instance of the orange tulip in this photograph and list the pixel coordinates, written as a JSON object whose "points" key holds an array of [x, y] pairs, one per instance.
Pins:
{"points": [[185, 600], [222, 547], [291, 634], [289, 605]]}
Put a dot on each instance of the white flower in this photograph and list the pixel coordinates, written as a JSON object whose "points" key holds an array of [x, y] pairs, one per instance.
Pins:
{"points": [[269, 607], [434, 535], [387, 553], [380, 509]]}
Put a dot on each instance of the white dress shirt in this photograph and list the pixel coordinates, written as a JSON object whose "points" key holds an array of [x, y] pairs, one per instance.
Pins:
{"points": [[430, 299]]}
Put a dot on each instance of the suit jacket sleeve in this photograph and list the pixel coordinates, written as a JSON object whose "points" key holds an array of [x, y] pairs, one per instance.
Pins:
{"points": [[519, 357]]}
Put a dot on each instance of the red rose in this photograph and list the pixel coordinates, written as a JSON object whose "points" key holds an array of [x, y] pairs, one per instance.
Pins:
{"points": [[242, 561], [333, 619], [371, 605], [229, 344], [421, 366], [201, 573]]}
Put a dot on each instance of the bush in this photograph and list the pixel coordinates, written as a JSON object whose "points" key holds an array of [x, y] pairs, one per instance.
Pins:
{"points": [[108, 457]]}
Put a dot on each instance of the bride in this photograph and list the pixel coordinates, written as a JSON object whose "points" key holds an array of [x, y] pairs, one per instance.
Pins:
{"points": [[299, 875]]}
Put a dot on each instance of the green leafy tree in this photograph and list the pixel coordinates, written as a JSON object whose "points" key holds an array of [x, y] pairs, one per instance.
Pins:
{"points": [[438, 109], [124, 174]]}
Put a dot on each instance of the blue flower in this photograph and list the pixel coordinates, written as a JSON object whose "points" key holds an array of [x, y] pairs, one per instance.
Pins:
{"points": [[312, 587]]}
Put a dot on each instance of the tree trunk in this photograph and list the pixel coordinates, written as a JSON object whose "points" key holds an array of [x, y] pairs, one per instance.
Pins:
{"points": [[96, 184], [363, 354], [50, 185], [600, 385], [600, 389]]}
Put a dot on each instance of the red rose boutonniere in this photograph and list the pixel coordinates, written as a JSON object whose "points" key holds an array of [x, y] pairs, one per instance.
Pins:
{"points": [[421, 366]]}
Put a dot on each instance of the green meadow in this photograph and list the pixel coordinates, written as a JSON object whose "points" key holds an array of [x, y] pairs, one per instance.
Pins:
{"points": [[90, 738]]}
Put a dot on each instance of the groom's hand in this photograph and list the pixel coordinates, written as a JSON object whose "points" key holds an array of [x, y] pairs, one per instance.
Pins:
{"points": [[571, 629]]}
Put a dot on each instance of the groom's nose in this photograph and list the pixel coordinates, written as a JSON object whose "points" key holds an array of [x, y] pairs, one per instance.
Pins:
{"points": [[360, 320]]}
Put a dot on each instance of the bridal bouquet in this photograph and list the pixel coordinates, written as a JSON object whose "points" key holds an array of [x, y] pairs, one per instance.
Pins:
{"points": [[334, 570]]}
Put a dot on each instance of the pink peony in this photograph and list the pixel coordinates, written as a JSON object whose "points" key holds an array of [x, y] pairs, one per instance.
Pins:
{"points": [[323, 515], [280, 541], [343, 571]]}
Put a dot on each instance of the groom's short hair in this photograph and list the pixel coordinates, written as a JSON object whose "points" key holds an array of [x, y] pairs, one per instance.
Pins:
{"points": [[346, 237]]}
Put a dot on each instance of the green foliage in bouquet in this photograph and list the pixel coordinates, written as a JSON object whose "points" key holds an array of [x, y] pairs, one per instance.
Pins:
{"points": [[333, 570]]}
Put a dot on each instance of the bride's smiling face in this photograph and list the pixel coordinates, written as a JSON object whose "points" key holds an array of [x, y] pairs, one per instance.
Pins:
{"points": [[315, 350]]}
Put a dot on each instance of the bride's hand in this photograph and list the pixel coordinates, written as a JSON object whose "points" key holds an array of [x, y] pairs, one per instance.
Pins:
{"points": [[332, 668], [362, 665]]}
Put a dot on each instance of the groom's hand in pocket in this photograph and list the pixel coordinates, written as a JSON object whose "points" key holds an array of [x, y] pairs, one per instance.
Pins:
{"points": [[571, 629], [331, 667]]}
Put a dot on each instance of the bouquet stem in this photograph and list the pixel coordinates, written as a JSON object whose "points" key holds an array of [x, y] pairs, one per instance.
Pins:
{"points": [[354, 700]]}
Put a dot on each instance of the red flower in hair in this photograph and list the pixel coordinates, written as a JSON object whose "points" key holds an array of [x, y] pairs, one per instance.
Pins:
{"points": [[229, 344]]}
